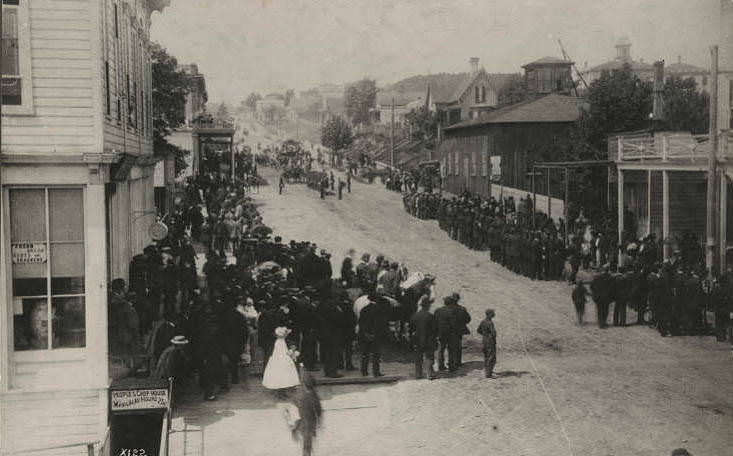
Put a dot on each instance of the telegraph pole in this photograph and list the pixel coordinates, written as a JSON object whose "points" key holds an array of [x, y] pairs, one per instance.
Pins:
{"points": [[391, 136], [713, 140]]}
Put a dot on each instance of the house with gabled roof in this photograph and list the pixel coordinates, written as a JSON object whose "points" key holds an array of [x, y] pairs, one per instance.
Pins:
{"points": [[465, 96]]}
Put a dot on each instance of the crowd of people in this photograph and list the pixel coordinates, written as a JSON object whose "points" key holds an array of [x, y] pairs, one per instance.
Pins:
{"points": [[182, 322], [534, 248], [670, 296]]}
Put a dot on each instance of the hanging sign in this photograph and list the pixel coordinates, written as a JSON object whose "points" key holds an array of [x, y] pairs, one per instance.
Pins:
{"points": [[28, 252], [139, 399], [158, 231]]}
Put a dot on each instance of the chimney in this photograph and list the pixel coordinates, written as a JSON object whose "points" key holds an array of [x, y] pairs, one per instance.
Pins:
{"points": [[474, 65], [679, 59], [658, 89]]}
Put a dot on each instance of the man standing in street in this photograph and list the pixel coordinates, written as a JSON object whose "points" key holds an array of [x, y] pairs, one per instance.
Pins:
{"points": [[462, 318], [341, 188], [600, 287], [373, 330], [445, 323], [488, 333], [425, 327], [348, 181]]}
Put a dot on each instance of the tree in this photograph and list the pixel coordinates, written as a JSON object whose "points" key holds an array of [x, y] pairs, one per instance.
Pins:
{"points": [[617, 102], [337, 134], [252, 100], [289, 95], [223, 111], [359, 98], [685, 108], [170, 88], [423, 123], [515, 91]]}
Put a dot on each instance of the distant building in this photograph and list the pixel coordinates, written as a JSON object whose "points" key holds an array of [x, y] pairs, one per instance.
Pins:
{"points": [[687, 71], [333, 105], [644, 71], [403, 102], [514, 136], [270, 108], [197, 96], [549, 75], [465, 96]]}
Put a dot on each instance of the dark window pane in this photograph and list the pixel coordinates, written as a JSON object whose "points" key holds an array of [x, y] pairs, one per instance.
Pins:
{"points": [[69, 329], [29, 287], [10, 2], [12, 94], [30, 324], [67, 285], [27, 215], [66, 214]]}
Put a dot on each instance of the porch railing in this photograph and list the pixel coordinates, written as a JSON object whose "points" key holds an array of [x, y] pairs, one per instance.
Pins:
{"points": [[677, 147]]}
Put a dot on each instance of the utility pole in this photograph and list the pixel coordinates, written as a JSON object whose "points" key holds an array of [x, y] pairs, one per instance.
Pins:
{"points": [[712, 161], [391, 135]]}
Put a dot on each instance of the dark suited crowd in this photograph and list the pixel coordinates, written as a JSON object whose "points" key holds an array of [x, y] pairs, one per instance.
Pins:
{"points": [[671, 297], [530, 246]]}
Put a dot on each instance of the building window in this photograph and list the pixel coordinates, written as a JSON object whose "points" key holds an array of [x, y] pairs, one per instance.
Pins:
{"points": [[107, 88], [478, 94], [47, 250], [483, 94], [17, 95]]}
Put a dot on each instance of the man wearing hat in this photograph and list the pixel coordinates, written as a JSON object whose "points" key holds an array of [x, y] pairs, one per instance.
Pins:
{"points": [[361, 271], [463, 318], [426, 333], [173, 364], [446, 326], [373, 331], [488, 332]]}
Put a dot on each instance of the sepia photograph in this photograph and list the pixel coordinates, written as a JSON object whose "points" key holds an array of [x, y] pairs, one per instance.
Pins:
{"points": [[366, 228]]}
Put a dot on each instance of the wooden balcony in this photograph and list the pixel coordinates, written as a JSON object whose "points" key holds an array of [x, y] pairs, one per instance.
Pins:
{"points": [[675, 149]]}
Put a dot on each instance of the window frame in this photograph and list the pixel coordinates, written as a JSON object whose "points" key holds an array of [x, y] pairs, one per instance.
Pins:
{"points": [[48, 354], [25, 70]]}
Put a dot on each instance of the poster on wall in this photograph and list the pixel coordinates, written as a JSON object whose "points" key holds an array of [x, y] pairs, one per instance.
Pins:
{"points": [[28, 252]]}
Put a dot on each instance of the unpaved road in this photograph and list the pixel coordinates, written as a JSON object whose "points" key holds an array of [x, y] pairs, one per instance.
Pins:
{"points": [[562, 389]]}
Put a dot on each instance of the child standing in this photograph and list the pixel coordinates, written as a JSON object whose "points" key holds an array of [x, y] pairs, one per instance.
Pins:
{"points": [[579, 297], [488, 331]]}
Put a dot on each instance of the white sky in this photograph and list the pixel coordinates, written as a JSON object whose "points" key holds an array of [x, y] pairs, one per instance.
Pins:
{"points": [[271, 45]]}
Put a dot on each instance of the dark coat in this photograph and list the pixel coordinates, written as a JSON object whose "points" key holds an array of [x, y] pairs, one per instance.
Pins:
{"points": [[426, 330], [445, 322], [462, 318], [373, 323]]}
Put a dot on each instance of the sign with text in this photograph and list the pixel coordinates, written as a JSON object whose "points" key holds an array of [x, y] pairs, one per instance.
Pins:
{"points": [[141, 399], [28, 252]]}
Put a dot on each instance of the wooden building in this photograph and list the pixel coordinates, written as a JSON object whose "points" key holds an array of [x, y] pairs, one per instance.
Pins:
{"points": [[515, 136], [76, 170]]}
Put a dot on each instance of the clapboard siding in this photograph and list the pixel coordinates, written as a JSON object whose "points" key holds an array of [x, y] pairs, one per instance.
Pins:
{"points": [[51, 419], [61, 66]]}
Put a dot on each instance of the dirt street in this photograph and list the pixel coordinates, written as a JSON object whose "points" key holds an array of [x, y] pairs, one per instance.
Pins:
{"points": [[562, 389]]}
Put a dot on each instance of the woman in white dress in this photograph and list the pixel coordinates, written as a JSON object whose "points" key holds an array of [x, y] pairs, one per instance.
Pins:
{"points": [[280, 372]]}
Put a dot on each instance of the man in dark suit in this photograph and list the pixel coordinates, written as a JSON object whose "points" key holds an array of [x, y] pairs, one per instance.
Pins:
{"points": [[426, 333], [373, 331], [446, 328], [600, 287], [462, 318]]}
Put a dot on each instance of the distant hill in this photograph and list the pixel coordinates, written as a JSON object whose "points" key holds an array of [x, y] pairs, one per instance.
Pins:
{"points": [[420, 82]]}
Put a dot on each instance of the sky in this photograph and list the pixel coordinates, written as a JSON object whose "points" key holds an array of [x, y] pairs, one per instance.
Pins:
{"points": [[266, 46]]}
